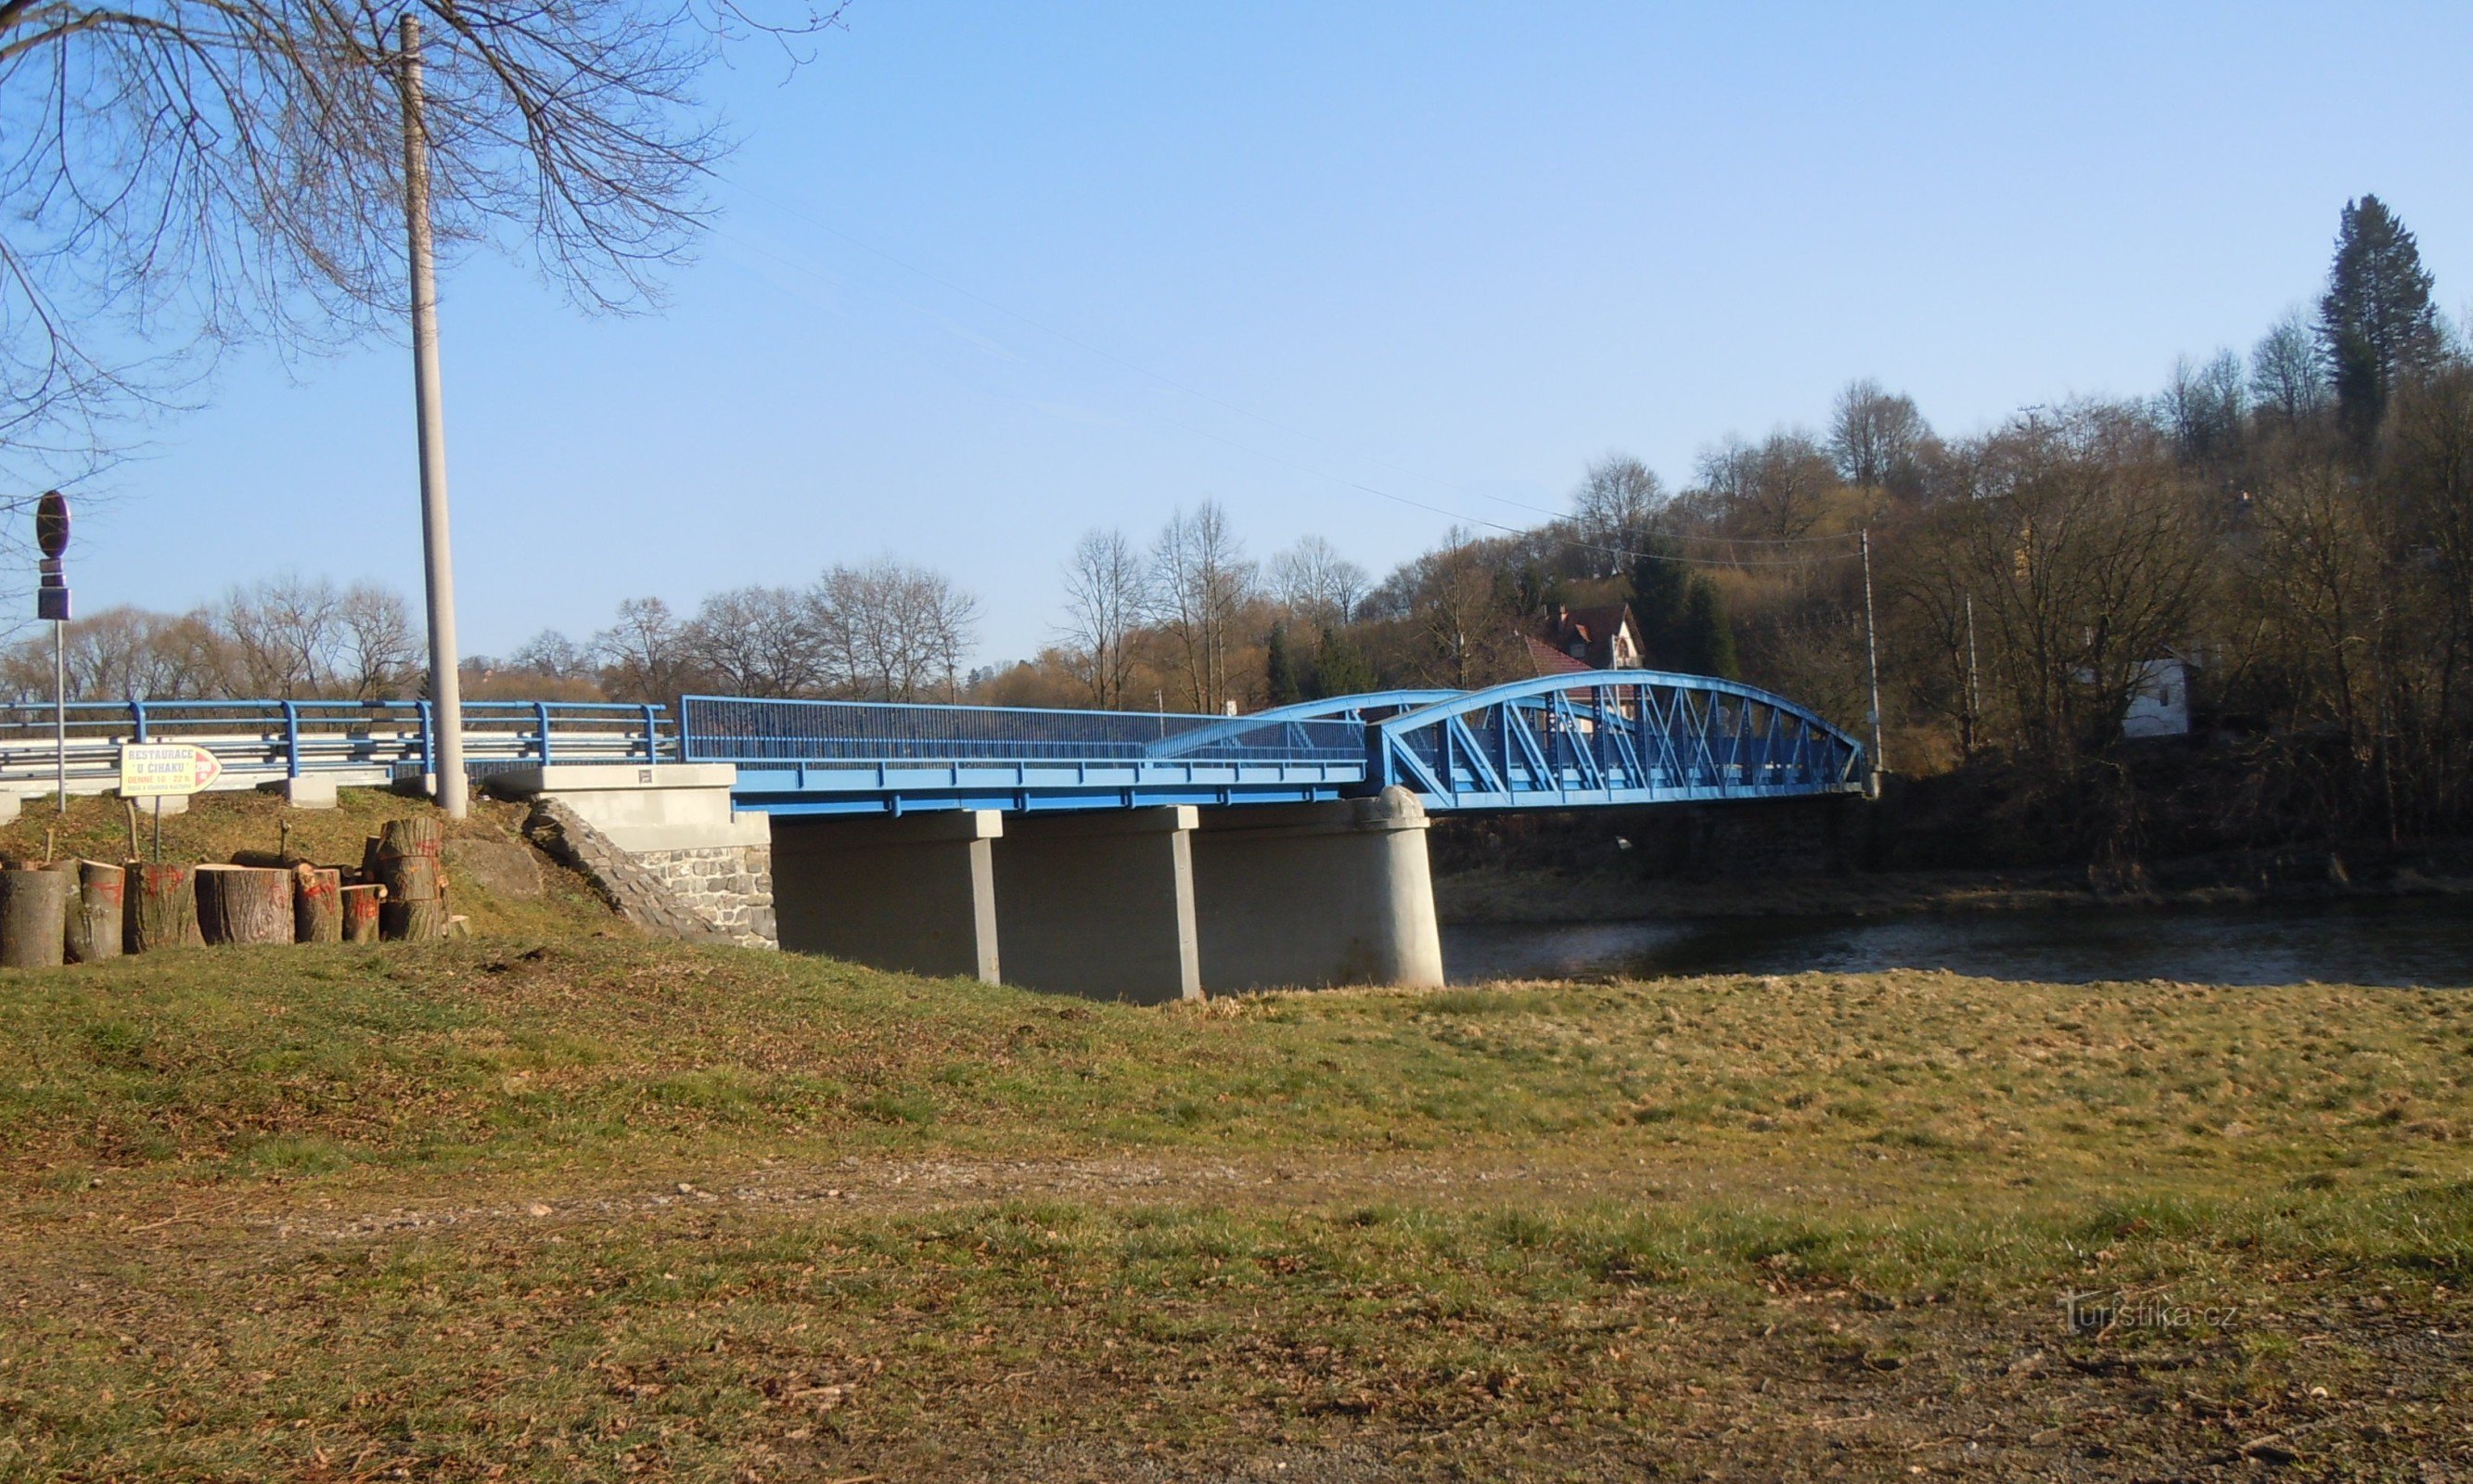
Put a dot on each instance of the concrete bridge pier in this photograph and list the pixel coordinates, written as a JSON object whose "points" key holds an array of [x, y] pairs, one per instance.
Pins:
{"points": [[916, 893], [1100, 904], [1317, 894]]}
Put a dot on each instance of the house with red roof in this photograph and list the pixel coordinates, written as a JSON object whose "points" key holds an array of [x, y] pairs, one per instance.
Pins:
{"points": [[1574, 640]]}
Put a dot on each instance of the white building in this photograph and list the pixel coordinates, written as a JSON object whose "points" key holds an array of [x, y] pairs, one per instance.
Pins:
{"points": [[2159, 701]]}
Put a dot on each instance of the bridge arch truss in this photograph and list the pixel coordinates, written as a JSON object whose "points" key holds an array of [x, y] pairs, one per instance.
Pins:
{"points": [[1610, 737]]}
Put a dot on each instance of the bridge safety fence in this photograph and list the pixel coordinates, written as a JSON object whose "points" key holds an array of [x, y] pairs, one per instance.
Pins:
{"points": [[288, 738], [723, 728]]}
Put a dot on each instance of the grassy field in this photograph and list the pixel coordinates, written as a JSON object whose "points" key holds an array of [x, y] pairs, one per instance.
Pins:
{"points": [[559, 1207]]}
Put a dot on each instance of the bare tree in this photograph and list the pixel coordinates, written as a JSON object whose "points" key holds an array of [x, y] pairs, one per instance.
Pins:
{"points": [[1776, 490], [380, 655], [125, 654], [757, 641], [285, 634], [182, 177], [948, 620], [1615, 510], [1465, 613], [1200, 582], [642, 655], [2203, 405], [1104, 585], [552, 654], [2285, 376], [1877, 437], [1317, 584], [890, 630]]}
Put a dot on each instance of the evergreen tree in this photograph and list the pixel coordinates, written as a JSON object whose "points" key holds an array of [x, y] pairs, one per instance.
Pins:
{"points": [[1279, 670], [1707, 640], [1341, 669], [1660, 592], [2375, 321]]}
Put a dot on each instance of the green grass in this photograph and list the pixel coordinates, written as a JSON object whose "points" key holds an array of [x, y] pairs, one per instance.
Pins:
{"points": [[586, 1209], [556, 1048]]}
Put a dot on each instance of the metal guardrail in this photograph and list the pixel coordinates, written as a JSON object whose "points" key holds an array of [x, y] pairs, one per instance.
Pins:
{"points": [[726, 729], [260, 740]]}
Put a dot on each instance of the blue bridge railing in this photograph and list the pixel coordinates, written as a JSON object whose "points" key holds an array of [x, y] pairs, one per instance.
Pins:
{"points": [[869, 758], [259, 740], [727, 728]]}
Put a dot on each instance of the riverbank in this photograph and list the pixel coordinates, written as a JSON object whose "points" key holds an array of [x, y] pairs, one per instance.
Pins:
{"points": [[588, 1209], [1517, 895]]}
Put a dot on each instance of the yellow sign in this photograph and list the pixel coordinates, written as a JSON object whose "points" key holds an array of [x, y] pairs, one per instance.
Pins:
{"points": [[151, 770]]}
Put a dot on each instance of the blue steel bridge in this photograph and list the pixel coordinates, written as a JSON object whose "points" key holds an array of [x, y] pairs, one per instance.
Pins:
{"points": [[1606, 738], [1609, 737]]}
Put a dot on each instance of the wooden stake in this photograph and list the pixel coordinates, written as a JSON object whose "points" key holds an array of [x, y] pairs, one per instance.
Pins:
{"points": [[244, 904]]}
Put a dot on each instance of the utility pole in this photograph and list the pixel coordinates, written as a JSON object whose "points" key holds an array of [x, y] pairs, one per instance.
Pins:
{"points": [[1872, 664], [1974, 696], [446, 685]]}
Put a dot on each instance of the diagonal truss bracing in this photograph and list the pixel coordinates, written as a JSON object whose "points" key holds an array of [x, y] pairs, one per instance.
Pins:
{"points": [[1610, 737]]}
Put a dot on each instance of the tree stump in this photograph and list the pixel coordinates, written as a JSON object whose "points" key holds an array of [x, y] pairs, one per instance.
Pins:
{"points": [[33, 918], [412, 866], [162, 907], [94, 910], [244, 904], [317, 904], [72, 919], [360, 911]]}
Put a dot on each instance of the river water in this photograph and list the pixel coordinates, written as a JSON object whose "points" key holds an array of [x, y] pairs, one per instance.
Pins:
{"points": [[2412, 941]]}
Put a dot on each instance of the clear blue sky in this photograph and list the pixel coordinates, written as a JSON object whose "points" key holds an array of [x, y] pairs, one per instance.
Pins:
{"points": [[1451, 251]]}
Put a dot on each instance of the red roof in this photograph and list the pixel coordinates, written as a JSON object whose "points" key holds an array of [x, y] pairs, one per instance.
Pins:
{"points": [[1586, 636], [1546, 659]]}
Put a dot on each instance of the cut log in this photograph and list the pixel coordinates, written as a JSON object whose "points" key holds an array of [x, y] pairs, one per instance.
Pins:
{"points": [[162, 907], [412, 866], [244, 904], [33, 915], [317, 904], [103, 894], [94, 910], [360, 911], [72, 920]]}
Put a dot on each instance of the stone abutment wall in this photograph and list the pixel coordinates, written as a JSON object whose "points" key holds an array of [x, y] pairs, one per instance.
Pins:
{"points": [[729, 886]]}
